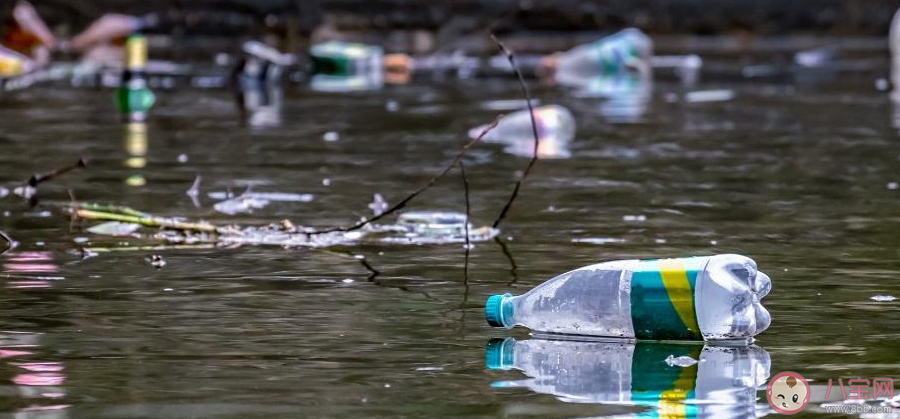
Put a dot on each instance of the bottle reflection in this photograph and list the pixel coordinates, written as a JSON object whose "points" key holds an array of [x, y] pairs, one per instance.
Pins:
{"points": [[625, 96], [372, 80], [672, 380], [136, 146], [259, 79], [38, 382]]}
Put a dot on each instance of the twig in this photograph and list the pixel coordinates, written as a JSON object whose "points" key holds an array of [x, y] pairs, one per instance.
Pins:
{"points": [[534, 130], [118, 209], [417, 192], [148, 221], [39, 178], [10, 243], [462, 171]]}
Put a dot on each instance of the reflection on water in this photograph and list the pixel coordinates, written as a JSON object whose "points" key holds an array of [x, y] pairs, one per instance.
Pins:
{"points": [[29, 269], [674, 380], [372, 80], [38, 382], [625, 95], [136, 146]]}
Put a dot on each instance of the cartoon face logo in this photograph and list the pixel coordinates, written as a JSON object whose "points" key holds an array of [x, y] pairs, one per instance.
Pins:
{"points": [[788, 392]]}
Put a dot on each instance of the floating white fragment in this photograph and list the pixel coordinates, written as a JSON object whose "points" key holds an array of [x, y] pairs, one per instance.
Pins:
{"points": [[892, 185], [331, 136], [713, 242], [660, 241], [636, 218], [182, 158], [392, 106], [883, 298], [681, 361], [387, 386], [430, 369], [114, 228], [882, 84], [598, 240], [326, 182], [720, 95], [347, 280], [80, 240], [167, 289]]}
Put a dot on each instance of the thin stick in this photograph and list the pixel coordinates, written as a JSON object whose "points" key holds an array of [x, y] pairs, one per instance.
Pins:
{"points": [[10, 243], [462, 171], [417, 192], [147, 221], [39, 178], [534, 130]]}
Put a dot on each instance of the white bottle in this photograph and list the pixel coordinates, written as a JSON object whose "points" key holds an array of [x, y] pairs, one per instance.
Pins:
{"points": [[629, 49], [680, 380], [711, 297], [555, 127]]}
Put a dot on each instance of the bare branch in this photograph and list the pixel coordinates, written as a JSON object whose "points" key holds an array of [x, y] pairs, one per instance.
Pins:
{"points": [[534, 130], [417, 192]]}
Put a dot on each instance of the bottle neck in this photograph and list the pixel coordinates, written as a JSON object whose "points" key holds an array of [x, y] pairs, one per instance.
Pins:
{"points": [[507, 311]]}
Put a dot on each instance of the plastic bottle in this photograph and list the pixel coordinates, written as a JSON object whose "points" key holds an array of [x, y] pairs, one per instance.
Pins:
{"points": [[677, 380], [710, 297], [629, 49], [345, 58], [133, 97], [555, 126]]}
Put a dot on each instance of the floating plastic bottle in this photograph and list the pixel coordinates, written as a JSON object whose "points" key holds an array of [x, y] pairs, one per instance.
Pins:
{"points": [[13, 63], [345, 58], [133, 97], [259, 80], [675, 380], [629, 49], [710, 297], [555, 126]]}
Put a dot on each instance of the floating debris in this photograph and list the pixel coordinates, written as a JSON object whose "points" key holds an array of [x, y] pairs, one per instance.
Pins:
{"points": [[681, 361], [157, 261], [699, 96], [422, 227], [378, 205], [114, 228], [598, 240], [883, 298], [249, 201], [331, 136]]}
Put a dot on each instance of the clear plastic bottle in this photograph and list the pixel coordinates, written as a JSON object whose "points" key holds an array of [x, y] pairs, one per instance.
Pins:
{"points": [[711, 297], [555, 126], [680, 380], [345, 58], [629, 49]]}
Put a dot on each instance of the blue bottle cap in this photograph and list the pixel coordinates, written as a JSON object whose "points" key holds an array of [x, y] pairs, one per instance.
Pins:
{"points": [[493, 310], [498, 353]]}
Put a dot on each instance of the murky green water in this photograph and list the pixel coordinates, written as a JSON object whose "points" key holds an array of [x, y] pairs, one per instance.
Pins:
{"points": [[799, 177]]}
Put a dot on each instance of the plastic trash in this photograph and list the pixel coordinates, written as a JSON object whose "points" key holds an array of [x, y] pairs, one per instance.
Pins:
{"points": [[629, 49], [710, 297], [719, 382], [134, 97], [345, 58], [555, 126]]}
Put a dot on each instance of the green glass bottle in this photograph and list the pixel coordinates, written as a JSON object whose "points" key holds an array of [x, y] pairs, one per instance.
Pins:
{"points": [[134, 97]]}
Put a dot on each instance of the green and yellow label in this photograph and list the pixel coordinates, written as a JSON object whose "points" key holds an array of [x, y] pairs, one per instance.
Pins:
{"points": [[662, 299]]}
